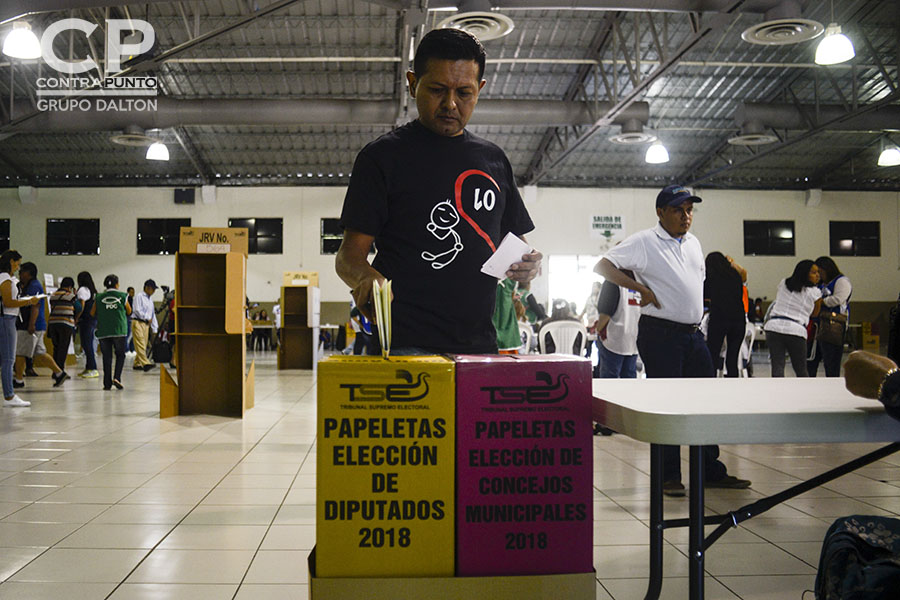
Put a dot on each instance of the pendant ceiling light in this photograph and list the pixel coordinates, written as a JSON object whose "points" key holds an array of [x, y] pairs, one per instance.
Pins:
{"points": [[835, 47], [889, 157], [157, 151], [656, 154], [21, 42]]}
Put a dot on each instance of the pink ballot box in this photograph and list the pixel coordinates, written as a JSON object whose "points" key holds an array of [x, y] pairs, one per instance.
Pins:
{"points": [[524, 465]]}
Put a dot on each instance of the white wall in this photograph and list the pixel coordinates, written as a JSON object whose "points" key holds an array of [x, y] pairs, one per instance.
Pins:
{"points": [[562, 218]]}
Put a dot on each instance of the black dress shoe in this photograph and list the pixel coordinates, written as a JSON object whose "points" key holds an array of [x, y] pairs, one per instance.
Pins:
{"points": [[31, 373], [148, 367], [137, 368], [18, 384]]}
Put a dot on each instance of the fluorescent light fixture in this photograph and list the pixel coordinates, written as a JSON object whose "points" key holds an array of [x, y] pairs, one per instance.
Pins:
{"points": [[21, 42], [889, 157], [157, 151], [656, 154], [835, 47]]}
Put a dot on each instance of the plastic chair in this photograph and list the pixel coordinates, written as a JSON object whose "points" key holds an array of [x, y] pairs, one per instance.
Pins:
{"points": [[526, 334], [568, 337]]}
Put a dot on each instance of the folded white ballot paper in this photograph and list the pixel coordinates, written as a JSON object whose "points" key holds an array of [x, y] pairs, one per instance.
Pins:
{"points": [[381, 296], [510, 251]]}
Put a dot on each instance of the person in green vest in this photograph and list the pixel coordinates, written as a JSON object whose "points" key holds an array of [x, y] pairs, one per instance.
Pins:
{"points": [[111, 309], [505, 322]]}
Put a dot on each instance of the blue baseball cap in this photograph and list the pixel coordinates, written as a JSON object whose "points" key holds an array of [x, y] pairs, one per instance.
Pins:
{"points": [[675, 195]]}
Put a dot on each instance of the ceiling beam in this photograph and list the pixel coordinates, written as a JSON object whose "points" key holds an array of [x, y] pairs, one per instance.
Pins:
{"points": [[557, 155], [155, 62]]}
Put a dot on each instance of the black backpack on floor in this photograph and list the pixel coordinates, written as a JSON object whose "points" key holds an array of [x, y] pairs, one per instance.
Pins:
{"points": [[860, 560]]}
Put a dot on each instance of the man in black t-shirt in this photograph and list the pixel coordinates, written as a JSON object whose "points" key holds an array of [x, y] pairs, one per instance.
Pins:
{"points": [[436, 201]]}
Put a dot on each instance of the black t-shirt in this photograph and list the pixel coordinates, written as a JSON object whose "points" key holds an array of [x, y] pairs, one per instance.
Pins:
{"points": [[438, 207], [726, 296]]}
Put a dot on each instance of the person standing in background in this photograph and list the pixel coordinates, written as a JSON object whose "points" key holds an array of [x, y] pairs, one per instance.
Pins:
{"points": [[30, 336], [87, 325], [668, 264], [618, 311], [143, 323], [724, 288], [798, 298], [111, 310], [836, 291], [9, 312], [129, 341], [65, 309], [505, 322]]}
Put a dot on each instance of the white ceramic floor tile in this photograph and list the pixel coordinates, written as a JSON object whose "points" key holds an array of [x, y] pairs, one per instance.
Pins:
{"points": [[802, 529], [214, 537], [633, 561], [88, 495], [13, 559], [193, 566], [770, 587], [296, 514], [56, 513], [54, 591], [34, 534], [242, 495], [171, 591], [22, 493], [290, 537], [209, 514], [115, 535], [278, 566], [751, 559], [162, 514], [272, 592], [673, 588], [81, 565]]}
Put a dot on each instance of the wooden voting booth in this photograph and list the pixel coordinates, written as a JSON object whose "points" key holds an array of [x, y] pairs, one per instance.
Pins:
{"points": [[300, 307], [210, 326]]}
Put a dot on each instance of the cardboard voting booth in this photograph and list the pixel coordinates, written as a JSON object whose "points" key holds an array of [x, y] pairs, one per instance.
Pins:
{"points": [[385, 474]]}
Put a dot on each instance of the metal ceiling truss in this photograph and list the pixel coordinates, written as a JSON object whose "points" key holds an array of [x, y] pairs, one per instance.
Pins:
{"points": [[562, 142], [724, 157]]}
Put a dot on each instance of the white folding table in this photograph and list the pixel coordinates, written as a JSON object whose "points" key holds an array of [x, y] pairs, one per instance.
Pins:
{"points": [[697, 412]]}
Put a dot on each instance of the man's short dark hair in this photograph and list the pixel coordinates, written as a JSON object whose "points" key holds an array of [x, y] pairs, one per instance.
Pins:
{"points": [[30, 268], [448, 44]]}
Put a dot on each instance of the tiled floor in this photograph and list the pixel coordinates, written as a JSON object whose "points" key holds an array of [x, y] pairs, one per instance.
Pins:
{"points": [[101, 499]]}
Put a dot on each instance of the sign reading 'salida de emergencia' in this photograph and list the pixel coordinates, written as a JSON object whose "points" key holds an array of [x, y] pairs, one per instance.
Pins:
{"points": [[81, 84]]}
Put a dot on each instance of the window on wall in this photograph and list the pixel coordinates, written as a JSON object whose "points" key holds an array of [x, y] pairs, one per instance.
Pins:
{"points": [[331, 235], [264, 234], [159, 236], [769, 238], [73, 236], [855, 238], [4, 235]]}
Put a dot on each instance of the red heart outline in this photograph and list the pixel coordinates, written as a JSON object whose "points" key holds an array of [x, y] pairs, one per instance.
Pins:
{"points": [[457, 190]]}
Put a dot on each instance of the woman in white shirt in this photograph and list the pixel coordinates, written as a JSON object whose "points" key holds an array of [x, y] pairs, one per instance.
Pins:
{"points": [[10, 303], [796, 301], [836, 290]]}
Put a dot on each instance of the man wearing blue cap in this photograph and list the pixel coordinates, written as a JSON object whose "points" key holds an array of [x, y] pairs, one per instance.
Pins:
{"points": [[669, 271]]}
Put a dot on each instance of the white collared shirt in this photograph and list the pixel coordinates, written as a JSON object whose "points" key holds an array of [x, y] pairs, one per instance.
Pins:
{"points": [[143, 310], [673, 268]]}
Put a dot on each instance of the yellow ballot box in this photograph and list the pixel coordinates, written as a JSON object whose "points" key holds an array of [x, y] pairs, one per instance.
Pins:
{"points": [[385, 471]]}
